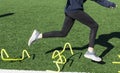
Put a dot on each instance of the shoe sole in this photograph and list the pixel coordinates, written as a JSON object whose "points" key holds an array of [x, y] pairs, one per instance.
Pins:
{"points": [[91, 58]]}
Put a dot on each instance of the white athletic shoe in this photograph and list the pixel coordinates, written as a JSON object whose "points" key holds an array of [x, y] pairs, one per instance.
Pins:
{"points": [[33, 37], [92, 56]]}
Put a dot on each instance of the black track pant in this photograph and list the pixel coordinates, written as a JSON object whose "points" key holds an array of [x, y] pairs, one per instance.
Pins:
{"points": [[70, 17]]}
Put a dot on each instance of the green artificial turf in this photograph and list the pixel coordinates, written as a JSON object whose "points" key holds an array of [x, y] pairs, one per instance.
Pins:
{"points": [[18, 19]]}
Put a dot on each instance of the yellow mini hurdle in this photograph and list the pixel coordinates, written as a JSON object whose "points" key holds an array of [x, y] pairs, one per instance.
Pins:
{"points": [[3, 52], [61, 58], [117, 62]]}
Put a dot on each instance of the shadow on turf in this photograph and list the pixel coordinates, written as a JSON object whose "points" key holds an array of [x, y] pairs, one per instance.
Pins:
{"points": [[32, 56], [102, 40], [71, 60], [5, 15], [61, 48]]}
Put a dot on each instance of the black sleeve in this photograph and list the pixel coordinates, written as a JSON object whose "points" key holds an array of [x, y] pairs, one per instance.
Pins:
{"points": [[105, 3]]}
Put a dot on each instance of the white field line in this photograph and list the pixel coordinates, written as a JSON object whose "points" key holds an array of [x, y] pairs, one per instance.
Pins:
{"points": [[32, 71]]}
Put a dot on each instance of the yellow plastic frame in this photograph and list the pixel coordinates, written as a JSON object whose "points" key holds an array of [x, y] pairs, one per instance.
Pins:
{"points": [[3, 51], [61, 58]]}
